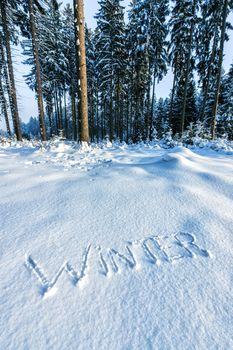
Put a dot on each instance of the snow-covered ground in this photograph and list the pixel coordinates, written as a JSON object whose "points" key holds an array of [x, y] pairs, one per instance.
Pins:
{"points": [[115, 247]]}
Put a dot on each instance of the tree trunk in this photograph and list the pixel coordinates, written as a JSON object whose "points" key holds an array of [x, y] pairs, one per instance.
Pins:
{"points": [[111, 117], [148, 110], [207, 85], [65, 116], [80, 42], [172, 97], [4, 108], [132, 110], [118, 116], [127, 119], [218, 84], [152, 102], [103, 116], [77, 93], [60, 108], [49, 112], [97, 115], [187, 73], [37, 66], [74, 119], [15, 116], [56, 113], [92, 116], [5, 75]]}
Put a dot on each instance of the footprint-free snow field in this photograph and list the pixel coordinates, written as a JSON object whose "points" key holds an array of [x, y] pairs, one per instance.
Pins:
{"points": [[115, 247]]}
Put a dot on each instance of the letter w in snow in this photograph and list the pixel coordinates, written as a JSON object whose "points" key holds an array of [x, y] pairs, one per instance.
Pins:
{"points": [[46, 285]]}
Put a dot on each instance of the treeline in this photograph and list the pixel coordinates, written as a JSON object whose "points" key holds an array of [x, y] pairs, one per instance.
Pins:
{"points": [[125, 62]]}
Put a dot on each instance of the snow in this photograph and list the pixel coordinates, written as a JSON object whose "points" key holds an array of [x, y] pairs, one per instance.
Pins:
{"points": [[115, 247]]}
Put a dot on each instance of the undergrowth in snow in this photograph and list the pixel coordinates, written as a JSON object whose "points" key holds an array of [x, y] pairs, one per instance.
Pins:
{"points": [[74, 155], [56, 145]]}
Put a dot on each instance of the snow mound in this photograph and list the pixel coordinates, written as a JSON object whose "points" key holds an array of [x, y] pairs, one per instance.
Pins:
{"points": [[180, 157]]}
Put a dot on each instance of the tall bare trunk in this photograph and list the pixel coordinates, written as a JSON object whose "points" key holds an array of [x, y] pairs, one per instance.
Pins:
{"points": [[58, 110], [131, 111], [5, 75], [77, 93], [65, 116], [127, 119], [37, 66], [15, 116], [111, 113], [4, 107], [218, 84], [49, 112], [148, 109], [74, 118], [152, 101], [207, 85], [118, 116], [187, 73], [56, 113], [97, 115], [80, 42], [172, 96]]}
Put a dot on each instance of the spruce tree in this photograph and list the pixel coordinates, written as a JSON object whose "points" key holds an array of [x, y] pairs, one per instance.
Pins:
{"points": [[138, 29], [158, 52], [208, 54], [5, 86], [182, 26], [225, 111], [224, 13], [3, 104], [6, 6], [92, 82], [82, 76], [70, 81], [111, 54], [32, 15]]}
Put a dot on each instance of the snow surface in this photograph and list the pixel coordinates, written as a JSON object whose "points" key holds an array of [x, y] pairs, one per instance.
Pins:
{"points": [[115, 247]]}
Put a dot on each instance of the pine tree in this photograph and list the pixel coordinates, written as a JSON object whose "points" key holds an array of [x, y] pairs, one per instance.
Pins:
{"points": [[32, 14], [56, 58], [70, 81], [4, 79], [111, 57], [208, 55], [5, 7], [3, 104], [53, 61], [80, 42], [92, 82], [192, 19], [159, 117], [158, 44], [225, 112], [207, 37], [182, 25], [138, 29], [225, 11]]}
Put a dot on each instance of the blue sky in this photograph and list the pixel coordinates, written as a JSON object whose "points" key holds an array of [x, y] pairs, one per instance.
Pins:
{"points": [[27, 103]]}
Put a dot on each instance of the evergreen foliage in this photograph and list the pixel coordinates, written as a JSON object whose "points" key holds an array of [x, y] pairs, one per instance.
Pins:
{"points": [[125, 60]]}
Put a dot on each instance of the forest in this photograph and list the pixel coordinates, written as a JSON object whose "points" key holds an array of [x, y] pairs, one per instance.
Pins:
{"points": [[123, 60]]}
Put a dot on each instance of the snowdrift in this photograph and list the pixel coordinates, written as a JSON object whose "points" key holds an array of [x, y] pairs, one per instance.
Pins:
{"points": [[115, 247]]}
